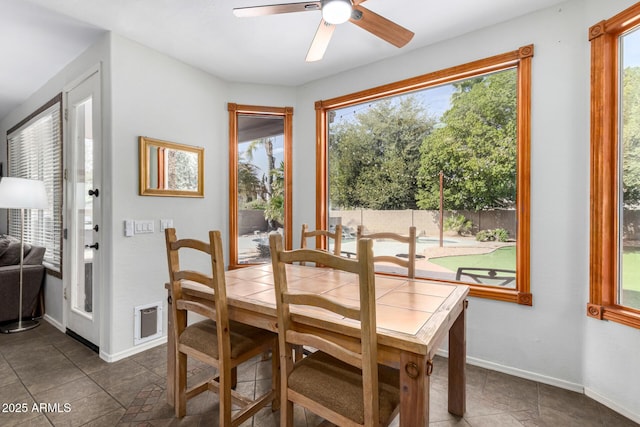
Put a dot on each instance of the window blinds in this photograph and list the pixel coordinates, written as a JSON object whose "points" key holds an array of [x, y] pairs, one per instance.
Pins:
{"points": [[35, 152]]}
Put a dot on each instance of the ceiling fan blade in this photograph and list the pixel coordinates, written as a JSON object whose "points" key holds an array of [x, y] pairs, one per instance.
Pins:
{"points": [[273, 9], [320, 41], [380, 26]]}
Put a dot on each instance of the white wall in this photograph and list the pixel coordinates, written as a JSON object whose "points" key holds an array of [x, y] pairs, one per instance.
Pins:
{"points": [[553, 341]]}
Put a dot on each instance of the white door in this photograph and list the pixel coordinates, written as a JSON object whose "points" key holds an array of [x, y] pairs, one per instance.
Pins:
{"points": [[83, 208]]}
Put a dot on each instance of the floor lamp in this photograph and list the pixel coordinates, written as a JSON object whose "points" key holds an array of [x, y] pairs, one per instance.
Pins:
{"points": [[20, 193]]}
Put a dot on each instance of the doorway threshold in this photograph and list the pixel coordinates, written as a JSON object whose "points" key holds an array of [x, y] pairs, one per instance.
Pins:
{"points": [[82, 340]]}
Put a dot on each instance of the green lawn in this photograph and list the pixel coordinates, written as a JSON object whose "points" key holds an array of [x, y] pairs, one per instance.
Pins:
{"points": [[631, 269], [505, 258], [502, 258]]}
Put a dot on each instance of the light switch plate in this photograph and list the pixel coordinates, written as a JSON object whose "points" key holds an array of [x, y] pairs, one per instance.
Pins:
{"points": [[128, 228], [166, 223], [143, 226]]}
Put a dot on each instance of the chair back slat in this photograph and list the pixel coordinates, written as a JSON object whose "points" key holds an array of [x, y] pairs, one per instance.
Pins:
{"points": [[409, 262], [328, 346], [320, 258], [194, 276], [320, 301], [196, 307], [192, 244], [336, 235]]}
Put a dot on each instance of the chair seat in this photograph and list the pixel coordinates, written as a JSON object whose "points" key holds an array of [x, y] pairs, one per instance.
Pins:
{"points": [[202, 336], [338, 386]]}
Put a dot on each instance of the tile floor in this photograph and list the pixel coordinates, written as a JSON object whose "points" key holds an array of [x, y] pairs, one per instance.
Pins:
{"points": [[77, 388]]}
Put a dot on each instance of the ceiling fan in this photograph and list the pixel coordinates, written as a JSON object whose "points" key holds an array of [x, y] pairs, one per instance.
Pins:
{"points": [[335, 12]]}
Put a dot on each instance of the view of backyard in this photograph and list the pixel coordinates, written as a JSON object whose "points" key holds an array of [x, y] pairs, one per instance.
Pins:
{"points": [[448, 150]]}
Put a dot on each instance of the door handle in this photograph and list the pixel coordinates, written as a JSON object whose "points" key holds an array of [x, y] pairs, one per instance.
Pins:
{"points": [[95, 192], [94, 246]]}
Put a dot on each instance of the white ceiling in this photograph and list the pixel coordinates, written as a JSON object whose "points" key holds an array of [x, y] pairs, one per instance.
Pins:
{"points": [[39, 37]]}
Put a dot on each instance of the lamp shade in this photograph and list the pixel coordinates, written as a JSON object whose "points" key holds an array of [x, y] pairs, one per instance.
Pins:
{"points": [[21, 193]]}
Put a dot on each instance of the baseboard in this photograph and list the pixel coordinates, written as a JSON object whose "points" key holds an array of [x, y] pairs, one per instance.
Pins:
{"points": [[108, 357], [633, 416], [520, 373], [53, 322]]}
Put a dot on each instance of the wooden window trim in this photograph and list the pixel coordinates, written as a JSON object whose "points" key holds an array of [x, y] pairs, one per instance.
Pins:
{"points": [[520, 58], [604, 222], [287, 115]]}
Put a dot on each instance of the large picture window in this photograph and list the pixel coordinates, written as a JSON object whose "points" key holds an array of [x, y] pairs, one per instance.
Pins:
{"points": [[615, 169], [446, 152], [35, 152]]}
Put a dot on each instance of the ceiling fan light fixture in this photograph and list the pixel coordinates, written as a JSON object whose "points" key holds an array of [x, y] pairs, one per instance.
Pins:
{"points": [[336, 11]]}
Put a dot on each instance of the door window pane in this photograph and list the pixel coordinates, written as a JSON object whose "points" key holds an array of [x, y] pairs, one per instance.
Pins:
{"points": [[82, 291]]}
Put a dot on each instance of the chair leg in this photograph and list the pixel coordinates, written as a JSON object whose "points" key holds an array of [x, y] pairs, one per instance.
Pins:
{"points": [[275, 377], [234, 377], [286, 415], [225, 380], [286, 406], [180, 384]]}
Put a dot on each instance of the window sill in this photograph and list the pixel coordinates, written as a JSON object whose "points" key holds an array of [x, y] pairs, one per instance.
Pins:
{"points": [[616, 313]]}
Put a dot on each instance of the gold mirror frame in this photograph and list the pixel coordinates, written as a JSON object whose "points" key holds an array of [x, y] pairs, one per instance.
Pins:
{"points": [[145, 168], [234, 111]]}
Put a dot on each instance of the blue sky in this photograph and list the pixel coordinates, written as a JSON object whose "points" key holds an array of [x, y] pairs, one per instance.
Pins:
{"points": [[259, 155], [436, 101], [631, 49]]}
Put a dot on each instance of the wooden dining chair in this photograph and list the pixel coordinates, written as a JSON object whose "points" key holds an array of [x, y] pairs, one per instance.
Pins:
{"points": [[408, 262], [216, 341], [342, 381], [336, 235]]}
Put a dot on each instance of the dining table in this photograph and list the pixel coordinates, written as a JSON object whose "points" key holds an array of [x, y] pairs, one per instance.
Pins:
{"points": [[413, 318]]}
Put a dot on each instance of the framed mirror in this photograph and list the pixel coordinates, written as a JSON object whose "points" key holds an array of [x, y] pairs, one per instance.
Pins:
{"points": [[259, 179], [170, 169]]}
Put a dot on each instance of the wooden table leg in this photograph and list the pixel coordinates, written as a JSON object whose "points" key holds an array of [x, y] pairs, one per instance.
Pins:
{"points": [[457, 362], [170, 354], [414, 390]]}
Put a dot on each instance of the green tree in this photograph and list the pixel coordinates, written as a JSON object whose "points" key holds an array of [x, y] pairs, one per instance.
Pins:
{"points": [[373, 158], [272, 182], [249, 184], [475, 147], [274, 211], [631, 136]]}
